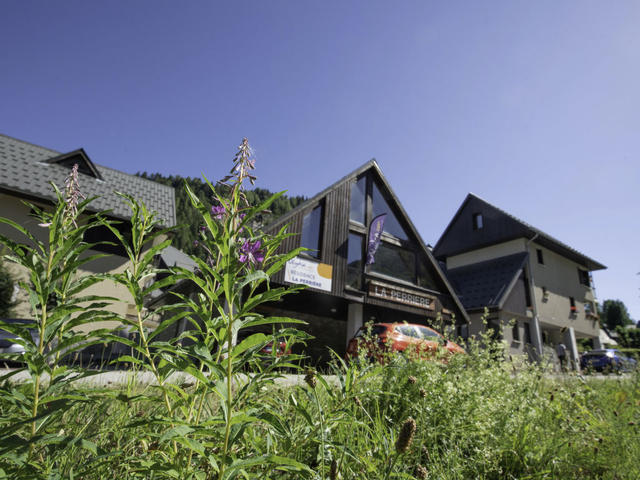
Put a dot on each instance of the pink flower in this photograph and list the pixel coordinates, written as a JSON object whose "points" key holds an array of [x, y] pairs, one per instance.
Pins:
{"points": [[251, 253], [218, 211]]}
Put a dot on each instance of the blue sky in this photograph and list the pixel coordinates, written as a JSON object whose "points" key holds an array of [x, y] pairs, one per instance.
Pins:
{"points": [[534, 106]]}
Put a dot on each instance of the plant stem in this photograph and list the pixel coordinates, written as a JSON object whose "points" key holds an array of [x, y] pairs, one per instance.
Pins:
{"points": [[229, 398]]}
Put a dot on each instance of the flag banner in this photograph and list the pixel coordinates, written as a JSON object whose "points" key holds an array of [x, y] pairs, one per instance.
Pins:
{"points": [[375, 233]]}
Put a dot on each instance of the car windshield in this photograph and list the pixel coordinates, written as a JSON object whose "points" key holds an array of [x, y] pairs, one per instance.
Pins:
{"points": [[407, 330], [428, 334], [375, 330]]}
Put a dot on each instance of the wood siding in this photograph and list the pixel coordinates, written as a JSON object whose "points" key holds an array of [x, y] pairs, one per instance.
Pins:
{"points": [[335, 234]]}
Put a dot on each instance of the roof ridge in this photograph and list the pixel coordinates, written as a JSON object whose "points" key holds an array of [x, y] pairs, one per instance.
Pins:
{"points": [[29, 143]]}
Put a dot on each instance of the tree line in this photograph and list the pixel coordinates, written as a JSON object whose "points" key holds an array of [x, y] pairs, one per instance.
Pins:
{"points": [[187, 218]]}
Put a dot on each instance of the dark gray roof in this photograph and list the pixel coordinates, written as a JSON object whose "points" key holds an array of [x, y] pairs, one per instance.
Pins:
{"points": [[457, 237], [486, 284], [27, 170]]}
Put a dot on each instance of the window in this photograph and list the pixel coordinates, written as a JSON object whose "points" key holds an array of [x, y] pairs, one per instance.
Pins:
{"points": [[527, 332], [358, 200], [462, 331], [583, 277], [395, 262], [527, 291], [588, 308], [477, 221], [428, 334], [354, 261], [515, 332], [494, 330], [425, 280], [540, 257], [407, 331], [391, 223], [312, 231]]}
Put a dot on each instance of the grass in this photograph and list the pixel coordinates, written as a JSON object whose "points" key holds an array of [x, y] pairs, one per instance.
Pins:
{"points": [[476, 418]]}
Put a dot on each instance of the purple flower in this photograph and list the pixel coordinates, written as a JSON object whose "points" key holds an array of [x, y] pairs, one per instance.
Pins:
{"points": [[251, 253], [218, 212]]}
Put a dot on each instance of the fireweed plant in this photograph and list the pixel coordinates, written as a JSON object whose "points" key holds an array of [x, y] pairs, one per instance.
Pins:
{"points": [[209, 418], [59, 304]]}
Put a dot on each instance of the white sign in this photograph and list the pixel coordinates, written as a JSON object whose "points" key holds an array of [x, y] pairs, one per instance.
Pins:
{"points": [[316, 275]]}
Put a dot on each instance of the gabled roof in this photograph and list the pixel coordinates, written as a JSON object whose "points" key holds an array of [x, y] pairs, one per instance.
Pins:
{"points": [[85, 165], [372, 166], [453, 241], [489, 283], [26, 170]]}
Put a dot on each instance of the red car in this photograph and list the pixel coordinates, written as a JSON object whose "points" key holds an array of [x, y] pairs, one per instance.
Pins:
{"points": [[397, 337]]}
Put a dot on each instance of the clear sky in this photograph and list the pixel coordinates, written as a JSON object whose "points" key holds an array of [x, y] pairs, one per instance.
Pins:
{"points": [[534, 106]]}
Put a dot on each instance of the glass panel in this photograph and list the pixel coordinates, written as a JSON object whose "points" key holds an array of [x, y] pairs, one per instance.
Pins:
{"points": [[407, 331], [311, 231], [395, 262], [358, 200], [354, 261], [391, 223], [425, 280], [428, 334], [374, 330]]}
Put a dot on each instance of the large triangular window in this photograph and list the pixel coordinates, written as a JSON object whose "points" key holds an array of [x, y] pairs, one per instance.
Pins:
{"points": [[380, 206]]}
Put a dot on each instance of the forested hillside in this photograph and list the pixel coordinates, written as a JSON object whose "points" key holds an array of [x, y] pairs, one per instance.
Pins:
{"points": [[188, 219]]}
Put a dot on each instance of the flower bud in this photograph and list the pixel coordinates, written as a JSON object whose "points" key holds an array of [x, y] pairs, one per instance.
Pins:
{"points": [[333, 470], [405, 437], [310, 378]]}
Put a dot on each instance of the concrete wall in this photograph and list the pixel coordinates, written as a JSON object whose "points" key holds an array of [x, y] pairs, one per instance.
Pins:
{"points": [[559, 276], [487, 253]]}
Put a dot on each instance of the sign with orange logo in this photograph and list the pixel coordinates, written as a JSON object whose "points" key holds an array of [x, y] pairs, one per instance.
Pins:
{"points": [[306, 272]]}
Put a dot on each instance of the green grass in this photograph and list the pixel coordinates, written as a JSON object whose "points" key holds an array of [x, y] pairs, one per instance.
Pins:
{"points": [[475, 418]]}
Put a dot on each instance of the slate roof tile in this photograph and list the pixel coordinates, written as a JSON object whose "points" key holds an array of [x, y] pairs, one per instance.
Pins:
{"points": [[25, 171], [484, 284]]}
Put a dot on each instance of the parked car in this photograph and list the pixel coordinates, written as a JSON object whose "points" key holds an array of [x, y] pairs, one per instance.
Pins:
{"points": [[607, 359], [397, 337]]}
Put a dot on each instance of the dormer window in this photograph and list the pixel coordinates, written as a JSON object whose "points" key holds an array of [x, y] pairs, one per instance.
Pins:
{"points": [[79, 157], [477, 221]]}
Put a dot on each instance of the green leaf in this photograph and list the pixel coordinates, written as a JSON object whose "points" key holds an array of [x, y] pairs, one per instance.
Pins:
{"points": [[257, 339], [178, 431]]}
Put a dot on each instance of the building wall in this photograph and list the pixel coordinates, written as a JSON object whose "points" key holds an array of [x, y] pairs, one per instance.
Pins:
{"points": [[14, 209], [559, 276], [487, 253]]}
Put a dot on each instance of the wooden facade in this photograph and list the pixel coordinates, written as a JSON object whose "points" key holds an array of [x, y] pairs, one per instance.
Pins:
{"points": [[425, 299]]}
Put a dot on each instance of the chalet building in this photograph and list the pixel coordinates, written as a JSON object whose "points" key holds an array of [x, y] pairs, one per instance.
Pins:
{"points": [[537, 290], [348, 285], [26, 173]]}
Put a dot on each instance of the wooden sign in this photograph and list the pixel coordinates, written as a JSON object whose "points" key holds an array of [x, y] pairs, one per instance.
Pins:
{"points": [[401, 295]]}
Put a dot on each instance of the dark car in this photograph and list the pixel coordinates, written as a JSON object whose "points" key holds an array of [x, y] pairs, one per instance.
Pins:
{"points": [[607, 359]]}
